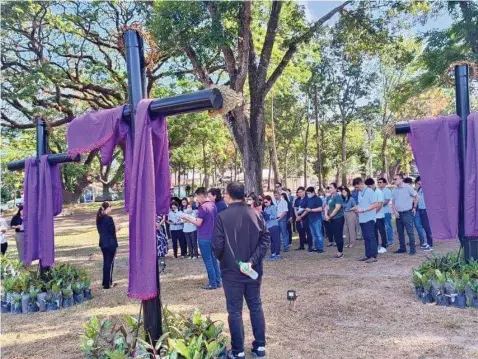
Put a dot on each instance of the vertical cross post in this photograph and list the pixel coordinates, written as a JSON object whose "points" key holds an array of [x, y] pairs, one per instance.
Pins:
{"points": [[41, 144], [136, 91], [462, 96]]}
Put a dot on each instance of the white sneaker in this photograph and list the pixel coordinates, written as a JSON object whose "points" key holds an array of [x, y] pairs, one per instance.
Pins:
{"points": [[382, 250]]}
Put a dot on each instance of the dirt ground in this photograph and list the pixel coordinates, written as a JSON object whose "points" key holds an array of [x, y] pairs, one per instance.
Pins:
{"points": [[345, 308]]}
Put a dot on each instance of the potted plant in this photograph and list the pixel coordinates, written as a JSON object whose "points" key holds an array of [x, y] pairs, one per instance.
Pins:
{"points": [[87, 290], [78, 292], [427, 286], [417, 282], [51, 304], [474, 288], [16, 303], [24, 285], [56, 294], [33, 303], [442, 299], [67, 296], [7, 287], [460, 284]]}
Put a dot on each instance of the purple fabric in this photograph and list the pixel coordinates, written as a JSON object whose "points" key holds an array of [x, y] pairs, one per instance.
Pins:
{"points": [[97, 129], [43, 198], [434, 143], [147, 181], [471, 181], [30, 211]]}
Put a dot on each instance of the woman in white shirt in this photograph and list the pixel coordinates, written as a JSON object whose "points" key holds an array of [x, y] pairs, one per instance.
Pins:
{"points": [[176, 227], [190, 232], [3, 233]]}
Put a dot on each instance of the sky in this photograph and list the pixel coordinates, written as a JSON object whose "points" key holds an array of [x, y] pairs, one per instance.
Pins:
{"points": [[317, 9]]}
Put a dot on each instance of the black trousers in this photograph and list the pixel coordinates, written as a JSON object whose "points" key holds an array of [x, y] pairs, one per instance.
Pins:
{"points": [[4, 247], [192, 241], [178, 236], [337, 229], [368, 234], [236, 292], [305, 236], [380, 228], [108, 264], [426, 226], [289, 229], [328, 231]]}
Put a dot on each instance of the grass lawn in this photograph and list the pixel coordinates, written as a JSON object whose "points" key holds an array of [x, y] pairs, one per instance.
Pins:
{"points": [[345, 308]]}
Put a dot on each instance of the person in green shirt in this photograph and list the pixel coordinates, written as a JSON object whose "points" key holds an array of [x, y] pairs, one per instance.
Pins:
{"points": [[335, 216]]}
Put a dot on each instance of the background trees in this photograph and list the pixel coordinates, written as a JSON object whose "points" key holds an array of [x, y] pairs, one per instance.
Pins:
{"points": [[312, 88]]}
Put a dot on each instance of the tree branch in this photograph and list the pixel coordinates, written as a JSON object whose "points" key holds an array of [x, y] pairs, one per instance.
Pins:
{"points": [[244, 46], [269, 40], [299, 40]]}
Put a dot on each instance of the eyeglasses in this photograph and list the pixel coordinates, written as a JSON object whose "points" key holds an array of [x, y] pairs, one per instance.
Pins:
{"points": [[380, 182]]}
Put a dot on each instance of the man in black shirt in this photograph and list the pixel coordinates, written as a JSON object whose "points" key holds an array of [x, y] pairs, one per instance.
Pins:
{"points": [[241, 235]]}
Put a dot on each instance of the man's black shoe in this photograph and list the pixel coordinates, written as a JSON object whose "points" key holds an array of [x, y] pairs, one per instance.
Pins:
{"points": [[398, 251], [319, 251], [300, 249], [311, 250]]}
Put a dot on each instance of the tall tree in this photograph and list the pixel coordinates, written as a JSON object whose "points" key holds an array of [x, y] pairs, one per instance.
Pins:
{"points": [[212, 33], [345, 85]]}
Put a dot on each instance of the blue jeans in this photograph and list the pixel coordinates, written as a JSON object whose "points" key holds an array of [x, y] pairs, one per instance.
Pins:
{"points": [[285, 233], [275, 239], [418, 225], [316, 230], [368, 233], [388, 227], [212, 266]]}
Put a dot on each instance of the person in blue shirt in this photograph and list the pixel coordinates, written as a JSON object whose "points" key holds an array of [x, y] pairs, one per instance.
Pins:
{"points": [[314, 214], [291, 225], [302, 223], [422, 211], [270, 216], [387, 195], [366, 210], [355, 193]]}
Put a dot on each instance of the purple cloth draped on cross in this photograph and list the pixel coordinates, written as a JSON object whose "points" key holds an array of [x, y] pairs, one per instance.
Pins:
{"points": [[42, 183], [434, 143], [146, 185]]}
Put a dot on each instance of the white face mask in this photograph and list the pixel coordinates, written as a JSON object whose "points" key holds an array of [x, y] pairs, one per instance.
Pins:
{"points": [[310, 195], [249, 201]]}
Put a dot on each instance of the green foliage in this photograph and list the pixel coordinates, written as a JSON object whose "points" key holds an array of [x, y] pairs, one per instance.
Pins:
{"points": [[448, 274], [197, 337]]}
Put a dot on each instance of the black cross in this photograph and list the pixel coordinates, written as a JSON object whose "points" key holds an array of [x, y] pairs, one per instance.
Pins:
{"points": [[192, 102], [462, 96]]}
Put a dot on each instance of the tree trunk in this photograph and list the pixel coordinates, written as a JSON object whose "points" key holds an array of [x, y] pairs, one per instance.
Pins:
{"points": [[317, 142], [305, 151], [206, 176], [285, 172], [270, 170], [192, 185], [179, 175], [344, 152], [235, 163], [322, 138], [384, 157], [275, 160]]}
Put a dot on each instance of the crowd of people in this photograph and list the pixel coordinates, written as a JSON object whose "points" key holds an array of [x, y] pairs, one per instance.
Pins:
{"points": [[342, 216]]}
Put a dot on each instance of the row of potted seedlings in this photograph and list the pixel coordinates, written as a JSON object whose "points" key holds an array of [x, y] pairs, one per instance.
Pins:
{"points": [[23, 291], [447, 281]]}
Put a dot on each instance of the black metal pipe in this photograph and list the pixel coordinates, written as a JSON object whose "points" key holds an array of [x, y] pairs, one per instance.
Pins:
{"points": [[177, 105], [402, 128], [42, 137], [151, 307], [52, 158], [462, 98]]}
